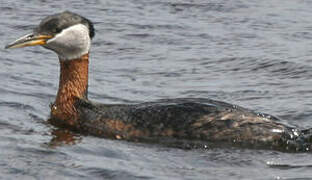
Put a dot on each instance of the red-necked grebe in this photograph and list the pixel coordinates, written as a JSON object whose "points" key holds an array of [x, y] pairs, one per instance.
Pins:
{"points": [[173, 120]]}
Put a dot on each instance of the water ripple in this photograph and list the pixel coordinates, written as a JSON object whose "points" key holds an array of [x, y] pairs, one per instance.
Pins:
{"points": [[251, 53]]}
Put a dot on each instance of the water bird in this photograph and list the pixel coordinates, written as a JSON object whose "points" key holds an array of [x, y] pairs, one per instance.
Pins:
{"points": [[192, 121]]}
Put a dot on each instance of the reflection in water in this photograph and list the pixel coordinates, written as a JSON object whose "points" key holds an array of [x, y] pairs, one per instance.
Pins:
{"points": [[63, 137], [252, 53]]}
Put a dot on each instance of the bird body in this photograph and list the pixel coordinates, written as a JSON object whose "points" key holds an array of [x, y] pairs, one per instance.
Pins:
{"points": [[190, 119]]}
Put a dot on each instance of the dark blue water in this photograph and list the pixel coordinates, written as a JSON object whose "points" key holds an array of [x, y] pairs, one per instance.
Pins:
{"points": [[256, 54]]}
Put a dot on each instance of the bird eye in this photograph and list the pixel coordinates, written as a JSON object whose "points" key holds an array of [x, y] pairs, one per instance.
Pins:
{"points": [[56, 30]]}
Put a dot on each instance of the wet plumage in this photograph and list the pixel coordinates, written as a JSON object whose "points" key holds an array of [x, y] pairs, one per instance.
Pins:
{"points": [[175, 121]]}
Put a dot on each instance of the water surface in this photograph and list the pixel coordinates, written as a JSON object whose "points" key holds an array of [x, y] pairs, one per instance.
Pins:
{"points": [[256, 54]]}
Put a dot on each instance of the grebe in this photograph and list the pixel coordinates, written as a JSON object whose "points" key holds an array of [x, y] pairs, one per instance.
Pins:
{"points": [[198, 121]]}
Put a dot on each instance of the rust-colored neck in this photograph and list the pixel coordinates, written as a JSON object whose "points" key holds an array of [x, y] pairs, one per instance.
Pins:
{"points": [[72, 86]]}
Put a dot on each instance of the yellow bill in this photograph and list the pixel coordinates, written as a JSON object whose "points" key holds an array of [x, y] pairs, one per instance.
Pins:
{"points": [[29, 40]]}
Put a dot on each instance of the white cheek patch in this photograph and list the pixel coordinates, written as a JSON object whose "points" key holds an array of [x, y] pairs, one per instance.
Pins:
{"points": [[71, 43]]}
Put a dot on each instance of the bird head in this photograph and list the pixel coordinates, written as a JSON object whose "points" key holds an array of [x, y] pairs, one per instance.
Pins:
{"points": [[68, 34]]}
